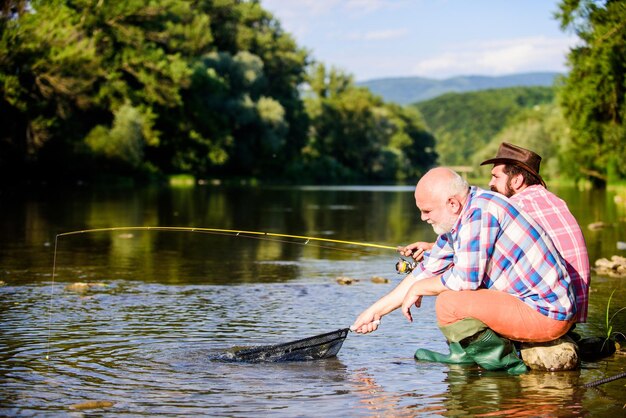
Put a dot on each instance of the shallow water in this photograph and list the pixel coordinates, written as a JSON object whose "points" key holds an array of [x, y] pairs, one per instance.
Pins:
{"points": [[162, 306]]}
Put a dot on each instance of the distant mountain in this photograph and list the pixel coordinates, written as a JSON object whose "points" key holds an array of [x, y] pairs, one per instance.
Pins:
{"points": [[408, 90]]}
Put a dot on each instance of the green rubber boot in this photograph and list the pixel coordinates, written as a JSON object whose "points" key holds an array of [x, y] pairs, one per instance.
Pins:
{"points": [[492, 352], [457, 355], [453, 333], [462, 329]]}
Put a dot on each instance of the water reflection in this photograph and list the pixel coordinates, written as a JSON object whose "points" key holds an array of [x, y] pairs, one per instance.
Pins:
{"points": [[478, 393]]}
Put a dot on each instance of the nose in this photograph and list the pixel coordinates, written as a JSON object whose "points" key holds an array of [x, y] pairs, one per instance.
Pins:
{"points": [[423, 216]]}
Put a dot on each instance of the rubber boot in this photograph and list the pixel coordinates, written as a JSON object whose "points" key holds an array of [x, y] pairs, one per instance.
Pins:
{"points": [[457, 355], [454, 333], [492, 352]]}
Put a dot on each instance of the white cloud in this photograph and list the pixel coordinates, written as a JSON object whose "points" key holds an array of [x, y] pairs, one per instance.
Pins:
{"points": [[498, 57], [370, 39]]}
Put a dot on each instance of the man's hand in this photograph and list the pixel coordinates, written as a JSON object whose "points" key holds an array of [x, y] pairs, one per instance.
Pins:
{"points": [[412, 298], [415, 250], [367, 322]]}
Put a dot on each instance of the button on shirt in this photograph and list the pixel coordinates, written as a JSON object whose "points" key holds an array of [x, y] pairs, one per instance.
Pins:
{"points": [[553, 215], [494, 245]]}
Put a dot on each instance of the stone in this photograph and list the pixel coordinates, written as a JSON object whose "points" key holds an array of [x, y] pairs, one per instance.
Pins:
{"points": [[346, 280], [615, 267], [596, 348], [80, 287], [558, 355], [92, 405]]}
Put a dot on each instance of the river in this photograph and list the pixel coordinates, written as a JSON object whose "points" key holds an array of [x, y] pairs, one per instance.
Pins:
{"points": [[129, 322]]}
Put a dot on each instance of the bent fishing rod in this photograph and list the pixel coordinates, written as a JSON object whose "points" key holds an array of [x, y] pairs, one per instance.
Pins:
{"points": [[272, 236], [403, 266], [231, 232]]}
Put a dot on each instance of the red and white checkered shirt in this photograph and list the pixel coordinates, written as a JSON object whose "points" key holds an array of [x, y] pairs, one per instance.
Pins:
{"points": [[554, 216]]}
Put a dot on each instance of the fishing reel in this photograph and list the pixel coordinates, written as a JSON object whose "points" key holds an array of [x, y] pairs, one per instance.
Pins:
{"points": [[404, 266]]}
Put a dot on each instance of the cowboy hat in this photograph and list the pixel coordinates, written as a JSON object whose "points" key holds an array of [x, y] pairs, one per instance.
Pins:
{"points": [[521, 157]]}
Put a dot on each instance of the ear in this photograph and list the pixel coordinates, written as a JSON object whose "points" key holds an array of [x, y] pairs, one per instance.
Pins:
{"points": [[454, 205], [517, 182]]}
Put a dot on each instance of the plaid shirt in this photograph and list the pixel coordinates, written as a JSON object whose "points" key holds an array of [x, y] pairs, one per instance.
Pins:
{"points": [[493, 245], [559, 223]]}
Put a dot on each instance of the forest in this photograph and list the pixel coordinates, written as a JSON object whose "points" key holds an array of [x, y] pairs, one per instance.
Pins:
{"points": [[216, 89]]}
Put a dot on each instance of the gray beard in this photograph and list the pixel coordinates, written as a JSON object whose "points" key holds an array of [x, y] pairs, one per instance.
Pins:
{"points": [[441, 229]]}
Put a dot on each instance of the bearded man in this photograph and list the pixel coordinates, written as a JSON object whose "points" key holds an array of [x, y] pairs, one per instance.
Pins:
{"points": [[515, 174], [496, 275]]}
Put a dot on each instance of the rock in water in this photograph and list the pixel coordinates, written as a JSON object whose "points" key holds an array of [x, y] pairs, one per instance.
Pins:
{"points": [[558, 355], [91, 405]]}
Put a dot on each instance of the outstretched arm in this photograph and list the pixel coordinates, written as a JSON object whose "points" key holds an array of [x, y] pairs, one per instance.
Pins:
{"points": [[427, 287], [365, 322]]}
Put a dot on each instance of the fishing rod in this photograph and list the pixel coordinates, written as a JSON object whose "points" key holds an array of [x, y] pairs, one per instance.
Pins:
{"points": [[402, 266], [273, 236], [232, 232]]}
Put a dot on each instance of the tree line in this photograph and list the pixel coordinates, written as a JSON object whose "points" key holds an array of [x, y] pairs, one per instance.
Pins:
{"points": [[205, 87], [465, 123], [217, 89]]}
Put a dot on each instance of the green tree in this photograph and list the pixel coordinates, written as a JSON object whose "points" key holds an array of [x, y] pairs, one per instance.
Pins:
{"points": [[47, 69], [208, 87], [542, 129], [355, 135], [207, 81], [593, 92]]}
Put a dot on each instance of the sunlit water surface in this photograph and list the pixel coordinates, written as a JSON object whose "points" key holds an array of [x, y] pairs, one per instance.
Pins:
{"points": [[145, 336]]}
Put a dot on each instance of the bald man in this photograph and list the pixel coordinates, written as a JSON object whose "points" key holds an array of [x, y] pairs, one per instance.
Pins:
{"points": [[496, 275]]}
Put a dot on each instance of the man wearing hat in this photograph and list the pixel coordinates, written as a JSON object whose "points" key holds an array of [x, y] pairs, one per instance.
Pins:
{"points": [[515, 174], [497, 276]]}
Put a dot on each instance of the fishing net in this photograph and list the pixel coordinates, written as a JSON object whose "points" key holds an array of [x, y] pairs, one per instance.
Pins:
{"points": [[311, 348]]}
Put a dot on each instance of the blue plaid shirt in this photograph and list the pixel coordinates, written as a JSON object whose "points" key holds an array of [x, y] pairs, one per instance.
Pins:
{"points": [[493, 245]]}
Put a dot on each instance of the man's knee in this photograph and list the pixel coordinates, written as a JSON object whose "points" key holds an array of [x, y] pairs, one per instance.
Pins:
{"points": [[446, 307]]}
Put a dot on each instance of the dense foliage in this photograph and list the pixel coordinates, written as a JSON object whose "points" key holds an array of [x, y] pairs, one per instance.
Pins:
{"points": [[206, 87], [353, 131], [216, 88], [593, 94], [542, 129], [464, 123]]}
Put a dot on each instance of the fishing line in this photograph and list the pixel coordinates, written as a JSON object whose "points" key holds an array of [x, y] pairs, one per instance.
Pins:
{"points": [[267, 236], [54, 266]]}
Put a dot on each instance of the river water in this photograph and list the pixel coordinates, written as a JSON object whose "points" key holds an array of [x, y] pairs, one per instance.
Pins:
{"points": [[132, 321]]}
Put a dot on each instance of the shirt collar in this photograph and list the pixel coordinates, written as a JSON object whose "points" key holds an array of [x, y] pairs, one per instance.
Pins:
{"points": [[470, 197]]}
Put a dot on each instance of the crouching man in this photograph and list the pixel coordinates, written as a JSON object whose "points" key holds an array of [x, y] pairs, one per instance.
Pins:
{"points": [[496, 275]]}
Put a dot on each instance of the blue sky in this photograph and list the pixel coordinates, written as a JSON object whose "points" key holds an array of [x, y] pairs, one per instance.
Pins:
{"points": [[428, 38]]}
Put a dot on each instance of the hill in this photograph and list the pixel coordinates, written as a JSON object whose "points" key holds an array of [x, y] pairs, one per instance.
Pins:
{"points": [[463, 123], [408, 90]]}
